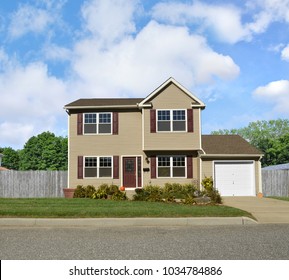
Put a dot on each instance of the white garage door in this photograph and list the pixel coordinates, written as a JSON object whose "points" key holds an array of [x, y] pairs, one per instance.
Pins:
{"points": [[235, 178]]}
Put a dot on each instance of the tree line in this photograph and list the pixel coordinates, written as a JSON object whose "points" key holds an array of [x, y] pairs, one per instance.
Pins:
{"points": [[271, 137], [49, 152], [42, 152]]}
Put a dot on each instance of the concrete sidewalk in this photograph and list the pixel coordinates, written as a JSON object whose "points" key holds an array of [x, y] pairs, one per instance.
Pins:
{"points": [[265, 210], [123, 222]]}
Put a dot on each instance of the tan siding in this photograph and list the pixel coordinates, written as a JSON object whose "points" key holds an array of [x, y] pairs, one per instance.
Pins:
{"points": [[127, 142]]}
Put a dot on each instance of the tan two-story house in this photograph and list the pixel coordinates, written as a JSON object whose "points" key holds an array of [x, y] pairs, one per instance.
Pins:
{"points": [[134, 142]]}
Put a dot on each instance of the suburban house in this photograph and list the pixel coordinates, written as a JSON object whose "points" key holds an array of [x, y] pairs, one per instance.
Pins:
{"points": [[134, 142]]}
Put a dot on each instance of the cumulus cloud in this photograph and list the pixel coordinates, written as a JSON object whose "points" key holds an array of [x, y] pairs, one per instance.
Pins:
{"points": [[109, 20], [29, 19], [225, 20], [285, 53], [137, 64], [31, 100], [277, 93]]}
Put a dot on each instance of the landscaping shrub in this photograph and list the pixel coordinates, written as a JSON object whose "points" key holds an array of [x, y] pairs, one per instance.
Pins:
{"points": [[79, 192], [89, 191], [210, 191]]}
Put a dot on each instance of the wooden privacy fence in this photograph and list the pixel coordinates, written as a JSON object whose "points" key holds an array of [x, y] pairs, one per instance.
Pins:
{"points": [[275, 182], [21, 184]]}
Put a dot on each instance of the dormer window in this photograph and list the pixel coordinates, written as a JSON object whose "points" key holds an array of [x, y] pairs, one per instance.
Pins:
{"points": [[171, 120]]}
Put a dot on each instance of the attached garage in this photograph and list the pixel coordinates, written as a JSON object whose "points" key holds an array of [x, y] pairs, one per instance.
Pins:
{"points": [[235, 178], [233, 164]]}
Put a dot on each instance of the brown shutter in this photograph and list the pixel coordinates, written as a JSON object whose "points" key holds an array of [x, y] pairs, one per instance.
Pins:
{"points": [[115, 167], [153, 167], [80, 167], [190, 120], [115, 123], [189, 167], [153, 120], [79, 124], [139, 173]]}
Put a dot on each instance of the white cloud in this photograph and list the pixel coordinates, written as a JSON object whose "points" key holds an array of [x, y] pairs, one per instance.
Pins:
{"points": [[31, 101], [277, 93], [225, 20], [29, 19], [54, 52], [109, 20], [137, 64], [285, 53]]}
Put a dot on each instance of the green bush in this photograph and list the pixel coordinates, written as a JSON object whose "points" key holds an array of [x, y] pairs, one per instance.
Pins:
{"points": [[210, 191], [119, 196], [89, 191], [79, 192]]}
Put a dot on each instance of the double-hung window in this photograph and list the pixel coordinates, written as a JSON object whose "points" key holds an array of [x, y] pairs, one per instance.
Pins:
{"points": [[171, 166], [98, 167], [171, 120], [97, 123]]}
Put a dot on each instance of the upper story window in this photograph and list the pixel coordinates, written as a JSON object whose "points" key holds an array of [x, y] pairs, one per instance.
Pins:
{"points": [[97, 123], [171, 120]]}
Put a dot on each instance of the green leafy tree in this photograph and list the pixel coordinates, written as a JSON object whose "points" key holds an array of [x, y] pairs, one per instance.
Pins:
{"points": [[10, 159], [44, 152], [268, 136]]}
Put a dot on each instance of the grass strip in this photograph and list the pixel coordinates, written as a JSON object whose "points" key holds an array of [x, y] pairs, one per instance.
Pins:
{"points": [[90, 208]]}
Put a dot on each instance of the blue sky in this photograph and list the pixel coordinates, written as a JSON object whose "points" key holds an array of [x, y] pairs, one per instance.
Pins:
{"points": [[233, 55]]}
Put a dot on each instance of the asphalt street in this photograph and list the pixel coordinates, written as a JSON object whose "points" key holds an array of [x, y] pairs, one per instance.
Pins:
{"points": [[257, 242]]}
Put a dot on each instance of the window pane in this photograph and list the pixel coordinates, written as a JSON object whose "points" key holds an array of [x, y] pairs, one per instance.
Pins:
{"points": [[179, 172], [179, 126], [163, 161], [89, 128], [179, 115], [164, 115], [90, 172], [105, 172], [164, 172], [104, 118], [104, 128], [164, 126], [90, 162], [179, 161], [90, 118], [105, 161]]}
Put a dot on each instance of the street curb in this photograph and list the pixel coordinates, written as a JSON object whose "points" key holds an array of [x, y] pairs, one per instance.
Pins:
{"points": [[124, 222]]}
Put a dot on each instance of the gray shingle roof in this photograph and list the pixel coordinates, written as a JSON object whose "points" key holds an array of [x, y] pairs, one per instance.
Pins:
{"points": [[227, 144]]}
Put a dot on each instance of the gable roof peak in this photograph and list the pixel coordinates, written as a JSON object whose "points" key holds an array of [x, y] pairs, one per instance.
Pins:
{"points": [[177, 84]]}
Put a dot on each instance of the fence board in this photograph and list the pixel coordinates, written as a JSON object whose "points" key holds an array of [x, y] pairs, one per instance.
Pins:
{"points": [[275, 182], [25, 184]]}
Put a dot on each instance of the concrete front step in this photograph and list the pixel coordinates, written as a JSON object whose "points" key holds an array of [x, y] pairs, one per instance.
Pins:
{"points": [[130, 193]]}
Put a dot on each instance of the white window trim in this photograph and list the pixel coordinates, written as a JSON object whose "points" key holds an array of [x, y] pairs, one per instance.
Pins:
{"points": [[171, 166], [97, 123], [97, 167], [171, 121]]}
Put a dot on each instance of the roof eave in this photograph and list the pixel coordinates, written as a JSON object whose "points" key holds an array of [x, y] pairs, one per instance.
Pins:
{"points": [[231, 155], [102, 107]]}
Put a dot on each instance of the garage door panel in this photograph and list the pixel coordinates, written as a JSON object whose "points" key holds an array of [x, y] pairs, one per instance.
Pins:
{"points": [[234, 178]]}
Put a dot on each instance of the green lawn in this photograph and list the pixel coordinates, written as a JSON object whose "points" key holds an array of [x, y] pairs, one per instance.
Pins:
{"points": [[90, 208], [280, 197]]}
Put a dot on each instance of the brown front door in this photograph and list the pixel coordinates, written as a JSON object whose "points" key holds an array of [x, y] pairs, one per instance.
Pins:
{"points": [[129, 172]]}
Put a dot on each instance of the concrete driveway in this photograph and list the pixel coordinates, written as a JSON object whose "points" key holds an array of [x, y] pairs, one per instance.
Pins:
{"points": [[265, 210]]}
